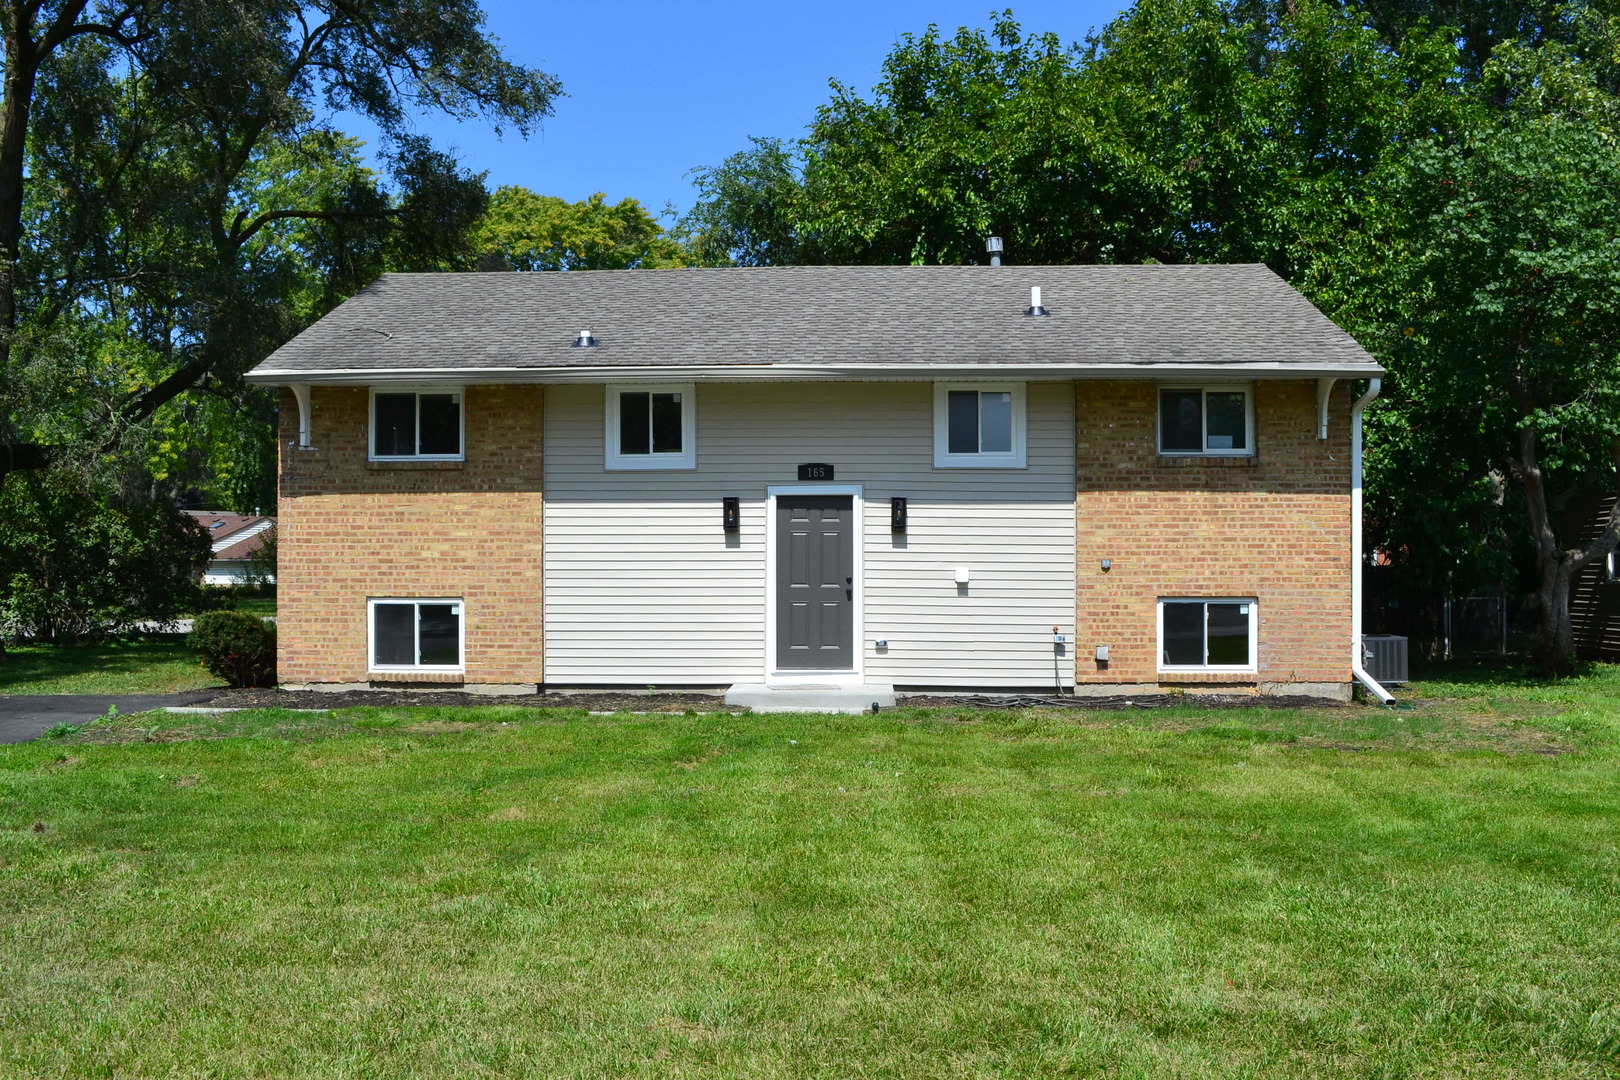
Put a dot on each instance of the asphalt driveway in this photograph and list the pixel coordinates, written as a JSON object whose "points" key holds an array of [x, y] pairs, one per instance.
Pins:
{"points": [[28, 716]]}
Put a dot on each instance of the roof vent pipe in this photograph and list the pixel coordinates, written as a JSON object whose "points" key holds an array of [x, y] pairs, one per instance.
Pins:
{"points": [[992, 247], [585, 340], [1035, 302]]}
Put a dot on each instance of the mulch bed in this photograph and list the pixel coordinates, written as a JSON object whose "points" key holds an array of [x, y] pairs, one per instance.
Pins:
{"points": [[1144, 701], [677, 703], [603, 702]]}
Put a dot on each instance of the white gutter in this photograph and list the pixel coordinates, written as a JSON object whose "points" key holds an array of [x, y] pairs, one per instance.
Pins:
{"points": [[1356, 649], [893, 372]]}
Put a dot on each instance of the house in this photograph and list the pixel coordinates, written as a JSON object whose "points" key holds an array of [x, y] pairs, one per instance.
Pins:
{"points": [[235, 539], [1106, 479]]}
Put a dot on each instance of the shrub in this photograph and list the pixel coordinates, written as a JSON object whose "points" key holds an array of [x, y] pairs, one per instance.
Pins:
{"points": [[237, 647], [80, 559]]}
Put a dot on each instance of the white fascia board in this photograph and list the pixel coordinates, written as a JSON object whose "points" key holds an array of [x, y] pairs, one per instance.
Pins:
{"points": [[814, 373]]}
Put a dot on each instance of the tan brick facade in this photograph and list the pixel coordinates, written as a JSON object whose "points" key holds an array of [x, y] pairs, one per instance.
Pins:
{"points": [[1275, 527], [350, 529]]}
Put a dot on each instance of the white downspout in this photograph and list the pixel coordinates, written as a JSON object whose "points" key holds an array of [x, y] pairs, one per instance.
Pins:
{"points": [[1384, 696]]}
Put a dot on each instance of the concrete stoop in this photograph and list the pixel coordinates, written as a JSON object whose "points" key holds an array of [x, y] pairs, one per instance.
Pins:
{"points": [[810, 698]]}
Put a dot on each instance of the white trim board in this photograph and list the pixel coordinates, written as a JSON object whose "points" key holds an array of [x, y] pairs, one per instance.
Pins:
{"points": [[873, 372], [812, 677]]}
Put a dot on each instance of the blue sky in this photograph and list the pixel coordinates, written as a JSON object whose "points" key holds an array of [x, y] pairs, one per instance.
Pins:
{"points": [[658, 88]]}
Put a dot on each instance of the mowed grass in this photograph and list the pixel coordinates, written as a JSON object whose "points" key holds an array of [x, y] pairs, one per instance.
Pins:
{"points": [[150, 664], [505, 892]]}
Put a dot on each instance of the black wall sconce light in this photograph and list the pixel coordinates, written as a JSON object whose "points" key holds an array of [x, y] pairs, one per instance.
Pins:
{"points": [[731, 513], [897, 514]]}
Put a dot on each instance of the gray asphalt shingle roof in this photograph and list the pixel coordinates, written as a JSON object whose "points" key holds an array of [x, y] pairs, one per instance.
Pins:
{"points": [[836, 317]]}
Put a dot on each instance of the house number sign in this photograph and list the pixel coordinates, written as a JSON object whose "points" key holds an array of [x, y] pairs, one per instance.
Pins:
{"points": [[815, 471]]}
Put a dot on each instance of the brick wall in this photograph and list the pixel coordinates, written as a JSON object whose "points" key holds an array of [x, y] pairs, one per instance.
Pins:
{"points": [[1275, 527], [350, 529]]}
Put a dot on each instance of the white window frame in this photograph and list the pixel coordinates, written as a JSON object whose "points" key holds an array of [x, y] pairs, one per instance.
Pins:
{"points": [[944, 459], [371, 633], [418, 390], [1247, 390], [686, 459], [1254, 634]]}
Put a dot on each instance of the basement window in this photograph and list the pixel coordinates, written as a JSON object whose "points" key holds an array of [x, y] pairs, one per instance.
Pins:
{"points": [[1215, 421], [416, 425], [651, 427], [1207, 635], [979, 426], [415, 635]]}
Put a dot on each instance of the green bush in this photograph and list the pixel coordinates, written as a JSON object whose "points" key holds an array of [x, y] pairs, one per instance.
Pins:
{"points": [[237, 647], [80, 558]]}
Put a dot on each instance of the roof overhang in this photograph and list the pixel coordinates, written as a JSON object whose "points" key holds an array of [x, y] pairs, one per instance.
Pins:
{"points": [[810, 373]]}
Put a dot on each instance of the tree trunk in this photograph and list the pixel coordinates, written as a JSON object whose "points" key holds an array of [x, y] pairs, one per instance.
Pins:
{"points": [[1556, 565], [1555, 634], [21, 67]]}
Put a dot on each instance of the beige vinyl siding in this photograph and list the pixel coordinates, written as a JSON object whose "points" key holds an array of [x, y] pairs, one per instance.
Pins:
{"points": [[643, 587]]}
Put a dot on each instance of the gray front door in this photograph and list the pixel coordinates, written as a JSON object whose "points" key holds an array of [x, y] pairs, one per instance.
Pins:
{"points": [[815, 582]]}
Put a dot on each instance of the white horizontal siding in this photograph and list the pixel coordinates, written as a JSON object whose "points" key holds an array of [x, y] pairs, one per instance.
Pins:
{"points": [[644, 588]]}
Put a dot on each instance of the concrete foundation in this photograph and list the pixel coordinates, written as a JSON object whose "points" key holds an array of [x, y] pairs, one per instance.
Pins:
{"points": [[815, 699]]}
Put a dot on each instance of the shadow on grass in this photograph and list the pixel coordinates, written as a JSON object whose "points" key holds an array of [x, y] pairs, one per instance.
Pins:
{"points": [[1499, 673], [150, 663]]}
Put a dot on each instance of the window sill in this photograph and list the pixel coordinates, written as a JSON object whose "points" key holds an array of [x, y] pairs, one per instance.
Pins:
{"points": [[414, 465], [432, 677], [1225, 678], [1207, 461]]}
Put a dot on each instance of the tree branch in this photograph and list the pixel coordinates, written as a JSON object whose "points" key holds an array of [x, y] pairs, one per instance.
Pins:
{"points": [[332, 216], [66, 25], [1609, 538]]}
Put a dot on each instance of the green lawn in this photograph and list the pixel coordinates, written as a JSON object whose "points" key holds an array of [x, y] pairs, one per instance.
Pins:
{"points": [[262, 606], [503, 893], [156, 664]]}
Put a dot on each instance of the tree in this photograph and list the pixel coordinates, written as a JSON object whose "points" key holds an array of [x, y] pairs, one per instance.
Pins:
{"points": [[1508, 294], [1184, 131], [151, 159], [525, 231], [747, 208], [80, 558]]}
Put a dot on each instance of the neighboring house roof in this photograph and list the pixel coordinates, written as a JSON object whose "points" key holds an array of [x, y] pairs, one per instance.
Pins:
{"points": [[234, 536], [820, 321]]}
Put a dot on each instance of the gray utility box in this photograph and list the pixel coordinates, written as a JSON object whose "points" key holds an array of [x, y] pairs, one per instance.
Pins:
{"points": [[1384, 657]]}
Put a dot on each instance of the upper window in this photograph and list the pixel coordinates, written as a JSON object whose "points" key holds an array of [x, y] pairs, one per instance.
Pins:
{"points": [[1206, 420], [651, 427], [422, 424], [1207, 634], [979, 426], [415, 635]]}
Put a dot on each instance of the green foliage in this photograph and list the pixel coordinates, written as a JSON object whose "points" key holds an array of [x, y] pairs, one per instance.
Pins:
{"points": [[238, 647], [746, 209], [525, 231], [1187, 130], [185, 209], [80, 560]]}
